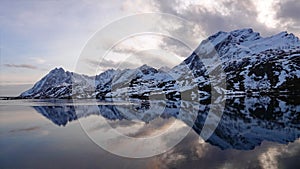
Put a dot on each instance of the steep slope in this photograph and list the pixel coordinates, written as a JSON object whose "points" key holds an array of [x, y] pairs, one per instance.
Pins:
{"points": [[251, 63], [58, 83]]}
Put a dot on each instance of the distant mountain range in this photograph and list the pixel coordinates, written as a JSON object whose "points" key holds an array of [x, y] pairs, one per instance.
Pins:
{"points": [[251, 63]]}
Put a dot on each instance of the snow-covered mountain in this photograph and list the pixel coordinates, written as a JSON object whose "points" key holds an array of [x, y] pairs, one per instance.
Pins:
{"points": [[251, 63], [59, 83]]}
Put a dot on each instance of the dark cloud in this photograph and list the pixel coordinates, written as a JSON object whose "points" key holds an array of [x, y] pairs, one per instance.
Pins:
{"points": [[204, 21], [155, 58], [105, 64], [288, 15], [26, 129], [241, 14], [26, 66], [290, 10], [185, 45]]}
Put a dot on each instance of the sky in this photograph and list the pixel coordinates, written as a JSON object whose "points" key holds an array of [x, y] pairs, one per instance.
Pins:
{"points": [[37, 36]]}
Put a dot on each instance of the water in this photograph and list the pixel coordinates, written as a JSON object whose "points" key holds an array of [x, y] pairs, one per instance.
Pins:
{"points": [[253, 132]]}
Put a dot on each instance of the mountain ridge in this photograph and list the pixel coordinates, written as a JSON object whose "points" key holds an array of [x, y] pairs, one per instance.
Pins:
{"points": [[251, 63]]}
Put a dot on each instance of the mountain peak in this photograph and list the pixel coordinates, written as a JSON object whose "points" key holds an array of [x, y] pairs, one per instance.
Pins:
{"points": [[286, 35], [245, 34], [145, 69], [57, 70], [241, 31], [145, 66]]}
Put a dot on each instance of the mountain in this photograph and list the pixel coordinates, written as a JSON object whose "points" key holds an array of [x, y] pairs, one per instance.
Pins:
{"points": [[252, 64], [59, 83]]}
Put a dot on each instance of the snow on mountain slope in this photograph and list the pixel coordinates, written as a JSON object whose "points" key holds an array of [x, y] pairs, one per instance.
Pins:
{"points": [[58, 83], [141, 82], [251, 63]]}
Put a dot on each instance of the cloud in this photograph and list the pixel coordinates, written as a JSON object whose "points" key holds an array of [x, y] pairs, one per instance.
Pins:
{"points": [[233, 15], [288, 15], [105, 64], [289, 9], [139, 42], [57, 31], [156, 58], [26, 129], [152, 57], [25, 66], [207, 18], [38, 60], [51, 28]]}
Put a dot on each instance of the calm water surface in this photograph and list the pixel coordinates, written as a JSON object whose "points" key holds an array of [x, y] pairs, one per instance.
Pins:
{"points": [[254, 132]]}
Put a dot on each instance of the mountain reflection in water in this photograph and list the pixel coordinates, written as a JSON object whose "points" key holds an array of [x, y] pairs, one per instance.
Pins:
{"points": [[245, 123]]}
